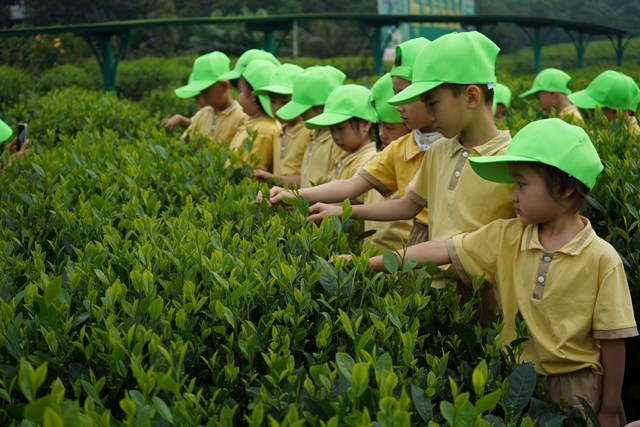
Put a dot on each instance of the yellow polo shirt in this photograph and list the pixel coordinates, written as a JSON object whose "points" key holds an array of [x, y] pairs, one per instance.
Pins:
{"points": [[571, 114], [394, 168], [266, 130], [289, 149], [570, 298], [219, 127], [458, 200], [632, 125], [227, 123], [349, 165], [319, 162], [200, 124], [389, 234]]}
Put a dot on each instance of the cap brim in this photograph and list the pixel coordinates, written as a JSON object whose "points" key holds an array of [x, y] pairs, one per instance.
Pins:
{"points": [[193, 88], [231, 75], [265, 101], [5, 131], [494, 168], [528, 93], [582, 99], [326, 119], [412, 92], [292, 109], [280, 90]]}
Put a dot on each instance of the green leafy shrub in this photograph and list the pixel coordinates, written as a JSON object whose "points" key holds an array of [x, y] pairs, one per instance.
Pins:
{"points": [[163, 103], [137, 78], [64, 76], [14, 84], [67, 112]]}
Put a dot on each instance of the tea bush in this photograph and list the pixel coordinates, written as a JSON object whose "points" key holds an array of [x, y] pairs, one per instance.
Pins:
{"points": [[140, 285]]}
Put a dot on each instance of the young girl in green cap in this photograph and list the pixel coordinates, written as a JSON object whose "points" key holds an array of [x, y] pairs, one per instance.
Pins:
{"points": [[349, 115], [548, 264], [551, 87], [261, 128]]}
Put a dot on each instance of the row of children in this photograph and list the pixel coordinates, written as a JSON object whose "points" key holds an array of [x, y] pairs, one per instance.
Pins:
{"points": [[612, 91], [481, 204]]}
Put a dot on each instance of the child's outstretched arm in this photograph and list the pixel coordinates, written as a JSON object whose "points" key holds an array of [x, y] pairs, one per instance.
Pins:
{"points": [[330, 192], [612, 354], [387, 210], [423, 253], [174, 121]]}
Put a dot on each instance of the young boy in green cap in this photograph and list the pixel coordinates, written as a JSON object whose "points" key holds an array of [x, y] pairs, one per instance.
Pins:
{"points": [[219, 116], [261, 128], [309, 94], [501, 101], [457, 199], [614, 92], [551, 88], [539, 260], [289, 148], [394, 168]]}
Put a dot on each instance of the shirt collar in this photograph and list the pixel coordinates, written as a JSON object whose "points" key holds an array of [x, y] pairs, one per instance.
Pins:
{"points": [[489, 148], [411, 149], [573, 247], [230, 109], [369, 147]]}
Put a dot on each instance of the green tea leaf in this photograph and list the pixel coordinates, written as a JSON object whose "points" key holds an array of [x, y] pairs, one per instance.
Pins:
{"points": [[390, 261], [520, 387]]}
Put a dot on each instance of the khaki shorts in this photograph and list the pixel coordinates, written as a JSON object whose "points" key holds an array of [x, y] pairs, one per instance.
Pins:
{"points": [[563, 389]]}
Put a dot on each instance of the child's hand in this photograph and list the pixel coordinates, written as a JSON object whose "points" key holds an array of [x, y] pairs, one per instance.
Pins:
{"points": [[262, 175], [276, 194], [12, 147], [323, 210], [173, 122]]}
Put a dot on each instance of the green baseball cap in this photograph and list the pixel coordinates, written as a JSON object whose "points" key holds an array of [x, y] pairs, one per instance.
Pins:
{"points": [[258, 74], [610, 89], [501, 95], [245, 59], [344, 103], [381, 91], [311, 88], [5, 131], [206, 71], [549, 80], [465, 58], [551, 141], [406, 54], [281, 81]]}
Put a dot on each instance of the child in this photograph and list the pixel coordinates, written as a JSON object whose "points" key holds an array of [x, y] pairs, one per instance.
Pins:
{"points": [[457, 199], [394, 168], [612, 91], [310, 92], [349, 115], [289, 148], [567, 283], [551, 88], [501, 101], [219, 115], [261, 128]]}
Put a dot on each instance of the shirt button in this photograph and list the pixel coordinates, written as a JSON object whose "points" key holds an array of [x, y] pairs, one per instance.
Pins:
{"points": [[457, 174], [547, 258], [540, 279], [465, 154]]}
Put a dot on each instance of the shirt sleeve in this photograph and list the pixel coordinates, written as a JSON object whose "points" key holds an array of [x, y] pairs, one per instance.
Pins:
{"points": [[380, 172], [476, 253], [613, 313]]}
